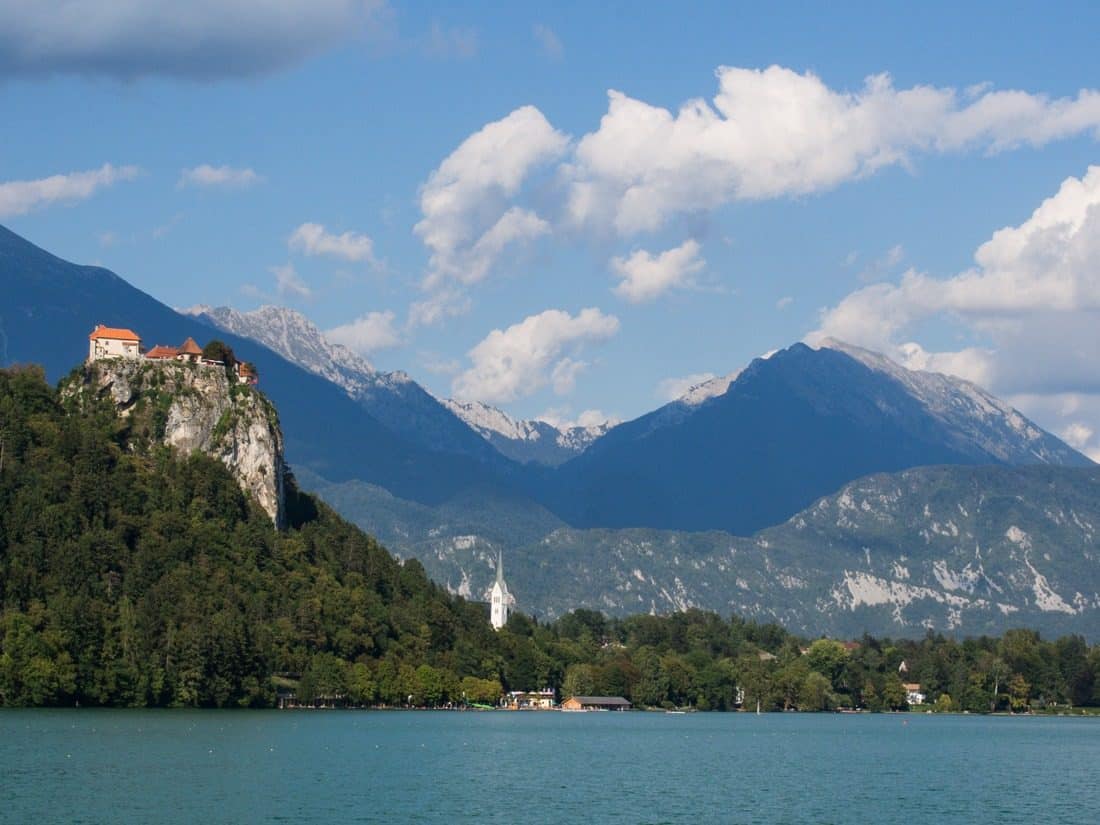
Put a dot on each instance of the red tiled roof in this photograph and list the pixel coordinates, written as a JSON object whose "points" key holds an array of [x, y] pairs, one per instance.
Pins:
{"points": [[190, 348], [161, 351], [115, 333]]}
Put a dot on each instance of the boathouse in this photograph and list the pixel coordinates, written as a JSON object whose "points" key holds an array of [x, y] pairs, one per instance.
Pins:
{"points": [[595, 703]]}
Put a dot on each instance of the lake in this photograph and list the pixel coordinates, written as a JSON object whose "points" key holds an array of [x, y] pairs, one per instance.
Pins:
{"points": [[92, 766]]}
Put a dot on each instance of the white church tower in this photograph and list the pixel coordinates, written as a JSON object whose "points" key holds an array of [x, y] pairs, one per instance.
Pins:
{"points": [[500, 599]]}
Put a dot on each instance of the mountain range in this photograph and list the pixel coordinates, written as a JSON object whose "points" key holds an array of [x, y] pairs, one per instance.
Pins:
{"points": [[741, 455], [398, 401]]}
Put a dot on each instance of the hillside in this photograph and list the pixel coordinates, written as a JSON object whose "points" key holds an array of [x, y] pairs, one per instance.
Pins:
{"points": [[133, 574], [963, 549]]}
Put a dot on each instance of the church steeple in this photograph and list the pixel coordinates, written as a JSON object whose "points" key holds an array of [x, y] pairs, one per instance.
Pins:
{"points": [[500, 599]]}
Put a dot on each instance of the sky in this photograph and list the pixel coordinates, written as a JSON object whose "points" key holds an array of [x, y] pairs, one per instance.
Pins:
{"points": [[575, 211]]}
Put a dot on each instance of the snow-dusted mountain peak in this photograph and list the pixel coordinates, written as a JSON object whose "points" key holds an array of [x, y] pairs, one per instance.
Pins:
{"points": [[710, 388], [527, 440], [998, 427], [296, 338]]}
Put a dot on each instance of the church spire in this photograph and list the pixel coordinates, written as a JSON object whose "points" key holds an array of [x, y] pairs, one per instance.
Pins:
{"points": [[499, 598]]}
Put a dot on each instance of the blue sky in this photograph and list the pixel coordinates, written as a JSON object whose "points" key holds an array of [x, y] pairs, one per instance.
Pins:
{"points": [[364, 162]]}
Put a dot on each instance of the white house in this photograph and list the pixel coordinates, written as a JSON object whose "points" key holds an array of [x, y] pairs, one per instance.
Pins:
{"points": [[913, 694], [499, 599], [109, 342]]}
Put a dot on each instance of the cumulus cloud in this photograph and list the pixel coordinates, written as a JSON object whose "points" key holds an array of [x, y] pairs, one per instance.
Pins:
{"points": [[288, 282], [646, 275], [368, 333], [1031, 302], [549, 43], [225, 177], [775, 132], [522, 359], [467, 220], [19, 197], [669, 389], [765, 134], [198, 39], [314, 239]]}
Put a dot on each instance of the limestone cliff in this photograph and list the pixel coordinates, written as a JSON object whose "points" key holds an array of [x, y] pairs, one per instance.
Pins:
{"points": [[197, 407]]}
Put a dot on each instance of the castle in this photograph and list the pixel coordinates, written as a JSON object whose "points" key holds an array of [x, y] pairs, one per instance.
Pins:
{"points": [[118, 342]]}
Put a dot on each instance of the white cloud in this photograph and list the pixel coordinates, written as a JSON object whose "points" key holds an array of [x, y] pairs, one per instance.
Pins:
{"points": [[784, 302], [563, 377], [368, 333], [467, 220], [444, 303], [1031, 303], [646, 276], [450, 41], [198, 39], [1049, 263], [549, 43], [18, 197], [774, 132], [765, 134], [438, 364], [313, 239], [287, 282], [225, 177], [518, 361], [562, 418], [669, 389]]}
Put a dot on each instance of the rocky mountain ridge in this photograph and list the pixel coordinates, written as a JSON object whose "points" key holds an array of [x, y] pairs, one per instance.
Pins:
{"points": [[395, 398], [527, 440]]}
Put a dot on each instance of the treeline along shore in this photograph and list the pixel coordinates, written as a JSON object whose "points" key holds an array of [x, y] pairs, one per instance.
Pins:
{"points": [[133, 576]]}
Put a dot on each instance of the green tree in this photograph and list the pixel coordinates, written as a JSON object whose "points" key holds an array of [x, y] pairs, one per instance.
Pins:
{"points": [[579, 681], [1019, 692]]}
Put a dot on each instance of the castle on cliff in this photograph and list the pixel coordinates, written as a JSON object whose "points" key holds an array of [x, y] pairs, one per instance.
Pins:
{"points": [[117, 342]]}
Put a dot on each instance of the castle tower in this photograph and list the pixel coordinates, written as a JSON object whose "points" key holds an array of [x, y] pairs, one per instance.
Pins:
{"points": [[500, 599]]}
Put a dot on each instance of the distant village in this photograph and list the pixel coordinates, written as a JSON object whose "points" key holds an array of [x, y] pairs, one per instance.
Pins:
{"points": [[117, 342]]}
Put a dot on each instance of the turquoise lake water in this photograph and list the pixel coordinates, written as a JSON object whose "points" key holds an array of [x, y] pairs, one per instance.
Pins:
{"points": [[93, 766]]}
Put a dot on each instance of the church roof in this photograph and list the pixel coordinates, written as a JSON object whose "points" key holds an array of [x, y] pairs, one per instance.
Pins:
{"points": [[190, 348], [114, 333]]}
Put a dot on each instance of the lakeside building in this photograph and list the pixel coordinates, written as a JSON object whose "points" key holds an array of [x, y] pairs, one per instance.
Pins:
{"points": [[913, 694], [530, 699], [500, 600], [595, 703]]}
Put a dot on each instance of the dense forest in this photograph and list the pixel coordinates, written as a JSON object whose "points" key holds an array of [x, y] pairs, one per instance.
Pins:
{"points": [[132, 576]]}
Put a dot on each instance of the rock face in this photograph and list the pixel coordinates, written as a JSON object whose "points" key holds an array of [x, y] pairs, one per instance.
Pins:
{"points": [[195, 407]]}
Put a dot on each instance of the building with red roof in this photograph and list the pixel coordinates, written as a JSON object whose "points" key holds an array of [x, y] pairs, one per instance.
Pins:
{"points": [[113, 342]]}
